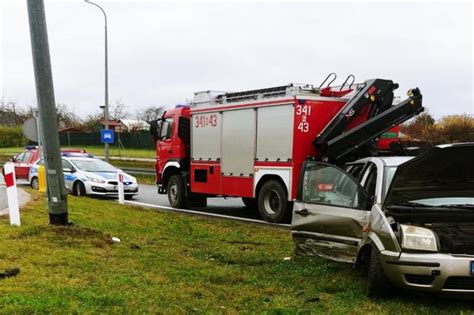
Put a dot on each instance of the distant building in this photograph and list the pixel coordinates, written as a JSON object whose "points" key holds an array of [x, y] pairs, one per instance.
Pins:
{"points": [[126, 125], [131, 125], [115, 125]]}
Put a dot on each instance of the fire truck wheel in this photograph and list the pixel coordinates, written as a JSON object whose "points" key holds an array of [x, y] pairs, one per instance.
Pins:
{"points": [[273, 202], [250, 202], [176, 196]]}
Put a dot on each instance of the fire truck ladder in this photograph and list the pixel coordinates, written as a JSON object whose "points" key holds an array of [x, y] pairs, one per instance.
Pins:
{"points": [[232, 97], [335, 141]]}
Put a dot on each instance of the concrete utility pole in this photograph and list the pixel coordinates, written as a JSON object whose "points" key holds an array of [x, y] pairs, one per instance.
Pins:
{"points": [[106, 104], [57, 197]]}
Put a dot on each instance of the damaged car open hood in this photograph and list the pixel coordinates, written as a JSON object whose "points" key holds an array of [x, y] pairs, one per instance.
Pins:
{"points": [[445, 171]]}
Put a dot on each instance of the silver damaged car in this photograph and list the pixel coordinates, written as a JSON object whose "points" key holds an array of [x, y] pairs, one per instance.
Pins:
{"points": [[411, 225]]}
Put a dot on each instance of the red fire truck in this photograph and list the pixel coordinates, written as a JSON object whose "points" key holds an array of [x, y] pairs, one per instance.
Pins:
{"points": [[252, 144]]}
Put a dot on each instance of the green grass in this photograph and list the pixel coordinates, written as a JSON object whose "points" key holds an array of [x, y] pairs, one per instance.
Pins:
{"points": [[127, 152], [133, 164], [168, 263], [95, 150], [145, 179], [9, 151]]}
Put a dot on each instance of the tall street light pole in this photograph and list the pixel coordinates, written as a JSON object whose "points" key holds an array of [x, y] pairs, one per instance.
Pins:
{"points": [[106, 104]]}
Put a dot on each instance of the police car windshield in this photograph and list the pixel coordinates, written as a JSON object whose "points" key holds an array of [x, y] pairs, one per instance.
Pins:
{"points": [[93, 165]]}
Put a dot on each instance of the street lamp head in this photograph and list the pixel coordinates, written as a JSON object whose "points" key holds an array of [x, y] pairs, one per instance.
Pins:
{"points": [[95, 4]]}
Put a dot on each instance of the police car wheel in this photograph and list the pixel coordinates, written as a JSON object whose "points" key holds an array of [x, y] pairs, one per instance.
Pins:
{"points": [[35, 183], [79, 189]]}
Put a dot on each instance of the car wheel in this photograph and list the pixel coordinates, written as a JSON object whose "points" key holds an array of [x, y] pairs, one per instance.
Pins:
{"points": [[378, 285], [273, 202], [35, 183], [79, 189], [129, 197], [176, 191]]}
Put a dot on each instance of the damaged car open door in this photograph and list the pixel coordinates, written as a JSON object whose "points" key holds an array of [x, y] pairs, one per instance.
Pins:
{"points": [[330, 212]]}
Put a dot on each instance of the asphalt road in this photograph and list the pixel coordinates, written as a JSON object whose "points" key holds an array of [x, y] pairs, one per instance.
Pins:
{"points": [[148, 194], [229, 206]]}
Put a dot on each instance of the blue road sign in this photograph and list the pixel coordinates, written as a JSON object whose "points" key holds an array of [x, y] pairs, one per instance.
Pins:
{"points": [[107, 136]]}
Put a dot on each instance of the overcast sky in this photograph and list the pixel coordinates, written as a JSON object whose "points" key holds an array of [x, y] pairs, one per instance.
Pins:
{"points": [[160, 53]]}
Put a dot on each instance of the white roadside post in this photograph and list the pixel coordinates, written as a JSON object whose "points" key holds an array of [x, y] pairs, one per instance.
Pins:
{"points": [[12, 194], [121, 193]]}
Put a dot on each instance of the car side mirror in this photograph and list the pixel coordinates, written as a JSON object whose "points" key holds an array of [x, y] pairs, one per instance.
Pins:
{"points": [[68, 170], [13, 158]]}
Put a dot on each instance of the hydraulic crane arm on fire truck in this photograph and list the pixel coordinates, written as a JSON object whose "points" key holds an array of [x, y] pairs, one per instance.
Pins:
{"points": [[376, 97]]}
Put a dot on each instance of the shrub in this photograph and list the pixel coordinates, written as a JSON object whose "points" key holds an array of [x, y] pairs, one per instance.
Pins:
{"points": [[456, 128], [448, 129], [11, 137]]}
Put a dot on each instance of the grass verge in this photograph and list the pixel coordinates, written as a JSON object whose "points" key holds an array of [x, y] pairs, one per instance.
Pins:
{"points": [[127, 152], [133, 164], [145, 179], [168, 263]]}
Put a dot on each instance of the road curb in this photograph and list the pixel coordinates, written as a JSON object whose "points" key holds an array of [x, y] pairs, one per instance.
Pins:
{"points": [[207, 215]]}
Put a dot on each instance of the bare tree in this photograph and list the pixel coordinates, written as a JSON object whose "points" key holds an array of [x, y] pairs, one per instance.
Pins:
{"points": [[67, 118], [92, 121], [11, 114], [150, 113], [118, 110]]}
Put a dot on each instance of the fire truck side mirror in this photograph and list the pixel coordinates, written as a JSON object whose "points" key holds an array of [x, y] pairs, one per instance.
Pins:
{"points": [[154, 130]]}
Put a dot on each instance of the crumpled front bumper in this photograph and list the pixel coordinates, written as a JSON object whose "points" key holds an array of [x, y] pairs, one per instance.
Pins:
{"points": [[430, 272]]}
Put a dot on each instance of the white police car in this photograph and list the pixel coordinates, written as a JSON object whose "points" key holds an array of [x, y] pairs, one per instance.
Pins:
{"points": [[90, 176]]}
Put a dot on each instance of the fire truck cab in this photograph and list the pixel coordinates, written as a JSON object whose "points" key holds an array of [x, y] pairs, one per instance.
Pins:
{"points": [[252, 144]]}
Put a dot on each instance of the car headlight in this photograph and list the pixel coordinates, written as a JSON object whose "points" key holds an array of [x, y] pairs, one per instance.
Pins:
{"points": [[95, 180], [418, 238]]}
